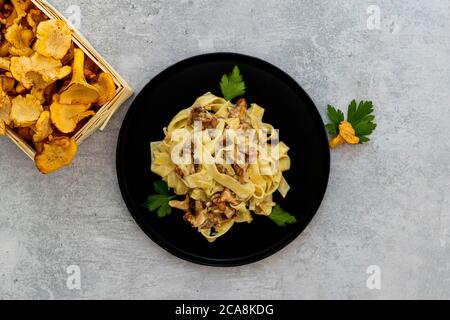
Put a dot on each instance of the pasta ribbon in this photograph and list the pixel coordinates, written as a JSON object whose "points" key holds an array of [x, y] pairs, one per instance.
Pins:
{"points": [[225, 174]]}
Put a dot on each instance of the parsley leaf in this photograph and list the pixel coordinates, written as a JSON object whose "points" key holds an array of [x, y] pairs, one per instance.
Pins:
{"points": [[281, 217], [362, 119], [233, 84], [336, 116], [360, 115], [160, 202], [161, 187]]}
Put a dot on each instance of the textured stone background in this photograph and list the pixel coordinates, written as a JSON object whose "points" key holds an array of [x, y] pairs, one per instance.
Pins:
{"points": [[387, 203]]}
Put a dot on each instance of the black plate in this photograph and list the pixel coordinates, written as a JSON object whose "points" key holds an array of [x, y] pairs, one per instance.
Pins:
{"points": [[288, 108]]}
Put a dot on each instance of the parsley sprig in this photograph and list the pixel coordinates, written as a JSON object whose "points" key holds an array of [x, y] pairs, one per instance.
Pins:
{"points": [[233, 85], [160, 201], [360, 117], [281, 217]]}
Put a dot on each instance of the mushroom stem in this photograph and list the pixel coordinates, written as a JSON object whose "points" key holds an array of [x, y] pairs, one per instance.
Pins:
{"points": [[78, 66], [337, 141], [79, 91]]}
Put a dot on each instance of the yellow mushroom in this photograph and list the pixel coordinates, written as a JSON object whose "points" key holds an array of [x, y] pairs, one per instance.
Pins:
{"points": [[34, 17], [25, 69], [66, 117], [56, 154], [5, 64], [79, 91], [346, 135], [5, 108], [2, 128], [4, 49], [54, 39], [25, 111], [20, 8], [43, 127], [20, 38], [106, 88], [7, 84]]}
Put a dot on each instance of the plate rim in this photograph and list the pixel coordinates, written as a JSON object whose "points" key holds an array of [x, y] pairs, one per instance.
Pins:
{"points": [[179, 253]]}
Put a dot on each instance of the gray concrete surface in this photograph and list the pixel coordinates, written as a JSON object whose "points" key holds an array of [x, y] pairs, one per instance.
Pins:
{"points": [[387, 204]]}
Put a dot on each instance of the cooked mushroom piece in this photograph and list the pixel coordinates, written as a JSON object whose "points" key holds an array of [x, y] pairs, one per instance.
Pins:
{"points": [[182, 205], [228, 196]]}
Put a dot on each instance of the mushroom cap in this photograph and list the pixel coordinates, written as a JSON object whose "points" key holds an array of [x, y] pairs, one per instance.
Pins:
{"points": [[20, 38], [5, 108], [56, 154], [2, 128], [106, 88], [43, 127], [5, 63], [347, 132], [35, 17], [49, 69], [25, 111], [54, 39], [66, 117], [79, 93]]}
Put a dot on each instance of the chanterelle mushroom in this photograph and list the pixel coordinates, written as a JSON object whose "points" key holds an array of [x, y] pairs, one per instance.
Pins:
{"points": [[5, 108], [48, 68], [346, 135], [66, 117], [106, 88], [2, 128], [79, 91], [20, 38], [54, 39], [182, 205], [56, 154], [43, 127], [25, 111]]}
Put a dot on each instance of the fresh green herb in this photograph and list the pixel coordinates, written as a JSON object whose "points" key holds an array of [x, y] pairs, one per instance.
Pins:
{"points": [[281, 217], [360, 117], [336, 116], [233, 84], [160, 202]]}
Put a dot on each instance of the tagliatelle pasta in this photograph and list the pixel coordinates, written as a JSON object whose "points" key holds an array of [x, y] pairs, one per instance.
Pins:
{"points": [[225, 160]]}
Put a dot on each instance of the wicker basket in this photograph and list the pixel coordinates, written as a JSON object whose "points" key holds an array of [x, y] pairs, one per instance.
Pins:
{"points": [[104, 114]]}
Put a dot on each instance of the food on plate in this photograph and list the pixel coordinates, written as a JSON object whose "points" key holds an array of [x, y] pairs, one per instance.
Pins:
{"points": [[48, 88], [56, 154], [223, 160]]}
